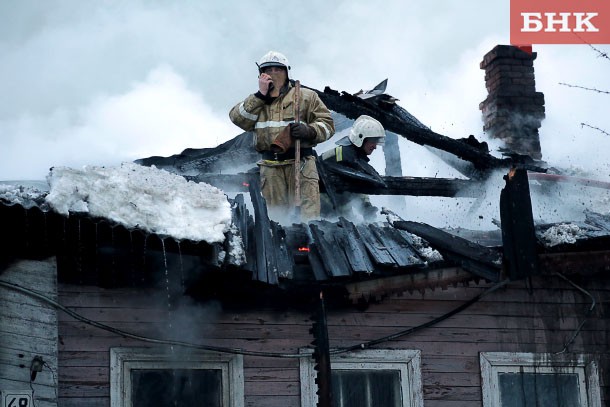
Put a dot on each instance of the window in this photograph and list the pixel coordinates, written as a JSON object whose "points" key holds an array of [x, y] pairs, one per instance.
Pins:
{"points": [[161, 377], [538, 379], [369, 378]]}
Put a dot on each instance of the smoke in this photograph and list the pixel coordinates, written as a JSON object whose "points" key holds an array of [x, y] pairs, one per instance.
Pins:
{"points": [[158, 116], [100, 84]]}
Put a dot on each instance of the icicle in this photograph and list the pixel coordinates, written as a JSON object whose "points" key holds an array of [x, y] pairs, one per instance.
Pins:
{"points": [[167, 290], [181, 267]]}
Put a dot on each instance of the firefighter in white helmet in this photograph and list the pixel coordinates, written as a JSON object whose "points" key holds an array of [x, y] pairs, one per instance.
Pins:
{"points": [[270, 113], [353, 151]]}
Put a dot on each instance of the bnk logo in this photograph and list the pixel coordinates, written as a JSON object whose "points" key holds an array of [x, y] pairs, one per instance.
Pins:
{"points": [[559, 22]]}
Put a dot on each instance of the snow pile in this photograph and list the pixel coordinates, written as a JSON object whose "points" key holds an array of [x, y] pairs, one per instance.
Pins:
{"points": [[236, 254], [423, 247], [22, 195], [562, 233], [146, 197]]}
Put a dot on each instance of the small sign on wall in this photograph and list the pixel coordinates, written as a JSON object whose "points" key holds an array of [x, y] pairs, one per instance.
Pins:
{"points": [[16, 398]]}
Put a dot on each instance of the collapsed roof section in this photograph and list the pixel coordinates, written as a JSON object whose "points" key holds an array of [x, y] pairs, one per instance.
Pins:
{"points": [[259, 257], [239, 153], [359, 261]]}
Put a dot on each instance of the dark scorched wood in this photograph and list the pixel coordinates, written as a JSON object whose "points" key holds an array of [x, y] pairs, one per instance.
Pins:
{"points": [[479, 260], [518, 232], [333, 182], [353, 106]]}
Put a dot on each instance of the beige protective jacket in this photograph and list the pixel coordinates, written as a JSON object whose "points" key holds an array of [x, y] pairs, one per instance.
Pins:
{"points": [[268, 120]]}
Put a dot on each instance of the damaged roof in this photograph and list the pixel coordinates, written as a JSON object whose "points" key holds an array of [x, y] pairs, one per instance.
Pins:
{"points": [[361, 261]]}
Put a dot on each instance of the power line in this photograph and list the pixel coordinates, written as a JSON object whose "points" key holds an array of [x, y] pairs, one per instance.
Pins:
{"points": [[240, 351]]}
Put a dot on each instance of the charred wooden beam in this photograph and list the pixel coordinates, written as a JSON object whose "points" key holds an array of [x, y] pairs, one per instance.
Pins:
{"points": [[518, 232], [269, 261], [397, 246], [325, 182], [477, 259], [335, 261], [350, 240], [240, 217], [393, 167], [413, 186], [353, 106]]}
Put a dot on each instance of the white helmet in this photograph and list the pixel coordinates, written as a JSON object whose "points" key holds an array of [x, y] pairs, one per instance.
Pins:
{"points": [[273, 58], [366, 127]]}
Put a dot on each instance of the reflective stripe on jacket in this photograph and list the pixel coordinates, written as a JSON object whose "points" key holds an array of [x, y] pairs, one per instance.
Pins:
{"points": [[268, 120]]}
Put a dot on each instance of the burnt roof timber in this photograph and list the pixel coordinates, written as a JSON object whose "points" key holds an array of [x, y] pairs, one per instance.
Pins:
{"points": [[413, 186], [518, 231], [316, 263], [477, 259], [398, 247], [351, 241], [353, 106], [379, 252], [269, 263], [335, 261], [241, 218]]}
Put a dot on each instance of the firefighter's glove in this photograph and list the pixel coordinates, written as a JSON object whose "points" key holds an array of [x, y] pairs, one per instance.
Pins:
{"points": [[301, 131]]}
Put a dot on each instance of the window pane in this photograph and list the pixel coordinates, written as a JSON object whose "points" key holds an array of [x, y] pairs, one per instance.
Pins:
{"points": [[366, 388], [538, 390], [176, 387]]}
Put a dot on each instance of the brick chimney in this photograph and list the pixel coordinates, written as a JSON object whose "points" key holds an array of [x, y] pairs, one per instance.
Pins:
{"points": [[513, 110]]}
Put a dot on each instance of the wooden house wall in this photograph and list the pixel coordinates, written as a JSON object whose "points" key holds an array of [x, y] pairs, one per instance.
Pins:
{"points": [[28, 328], [536, 317]]}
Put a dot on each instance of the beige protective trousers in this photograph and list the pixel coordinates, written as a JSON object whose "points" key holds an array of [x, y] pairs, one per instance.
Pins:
{"points": [[278, 186]]}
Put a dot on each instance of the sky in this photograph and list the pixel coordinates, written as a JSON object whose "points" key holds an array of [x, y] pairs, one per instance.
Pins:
{"points": [[107, 82]]}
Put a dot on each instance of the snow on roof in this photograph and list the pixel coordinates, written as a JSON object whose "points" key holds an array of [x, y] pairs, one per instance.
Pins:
{"points": [[25, 196], [146, 197], [561, 234]]}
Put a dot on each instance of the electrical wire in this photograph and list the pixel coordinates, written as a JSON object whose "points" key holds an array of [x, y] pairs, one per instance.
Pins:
{"points": [[33, 397], [126, 334], [428, 324], [55, 382], [336, 351], [587, 314], [239, 351]]}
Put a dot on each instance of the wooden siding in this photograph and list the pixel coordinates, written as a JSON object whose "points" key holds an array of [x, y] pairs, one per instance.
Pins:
{"points": [[539, 317], [28, 328]]}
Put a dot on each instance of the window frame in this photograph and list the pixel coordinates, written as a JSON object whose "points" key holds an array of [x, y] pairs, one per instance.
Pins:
{"points": [[123, 360], [493, 363], [407, 361]]}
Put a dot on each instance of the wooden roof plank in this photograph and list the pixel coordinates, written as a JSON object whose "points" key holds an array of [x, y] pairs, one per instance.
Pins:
{"points": [[354, 248], [477, 259], [266, 258], [400, 249], [335, 261], [315, 261], [284, 260], [379, 253]]}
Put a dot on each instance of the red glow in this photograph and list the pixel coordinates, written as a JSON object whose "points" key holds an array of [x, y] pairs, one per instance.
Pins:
{"points": [[245, 184], [303, 249]]}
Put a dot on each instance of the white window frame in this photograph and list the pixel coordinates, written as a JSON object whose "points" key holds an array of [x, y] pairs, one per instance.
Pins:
{"points": [[493, 363], [408, 362], [123, 360]]}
